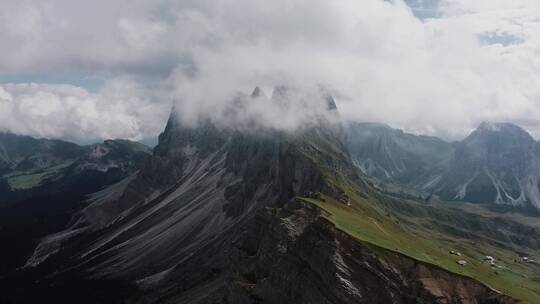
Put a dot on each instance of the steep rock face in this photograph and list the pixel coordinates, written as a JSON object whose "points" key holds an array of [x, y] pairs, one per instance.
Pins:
{"points": [[393, 155], [177, 217], [498, 163], [294, 255]]}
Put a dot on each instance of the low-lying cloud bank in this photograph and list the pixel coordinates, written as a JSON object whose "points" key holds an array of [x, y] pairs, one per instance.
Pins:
{"points": [[478, 60], [65, 111]]}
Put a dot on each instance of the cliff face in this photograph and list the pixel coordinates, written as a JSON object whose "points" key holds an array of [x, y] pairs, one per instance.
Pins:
{"points": [[294, 255], [173, 222]]}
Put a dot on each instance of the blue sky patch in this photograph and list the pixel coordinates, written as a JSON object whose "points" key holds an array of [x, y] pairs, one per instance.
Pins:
{"points": [[424, 9], [91, 84], [500, 38]]}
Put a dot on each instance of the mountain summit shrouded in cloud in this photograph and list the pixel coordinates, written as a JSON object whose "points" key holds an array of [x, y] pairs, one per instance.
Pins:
{"points": [[287, 109], [439, 74]]}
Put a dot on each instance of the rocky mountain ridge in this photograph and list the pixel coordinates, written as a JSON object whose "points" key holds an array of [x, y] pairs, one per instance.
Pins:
{"points": [[497, 164], [201, 185]]}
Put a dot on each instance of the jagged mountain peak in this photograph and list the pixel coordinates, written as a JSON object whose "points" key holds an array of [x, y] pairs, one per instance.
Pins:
{"points": [[498, 126], [285, 95], [289, 110], [258, 93], [501, 130], [492, 137], [329, 99], [208, 134]]}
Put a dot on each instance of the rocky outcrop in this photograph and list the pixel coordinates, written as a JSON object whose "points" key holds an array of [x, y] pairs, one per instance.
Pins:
{"points": [[294, 255]]}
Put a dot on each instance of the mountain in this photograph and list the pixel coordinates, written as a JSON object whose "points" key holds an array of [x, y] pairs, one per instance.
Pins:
{"points": [[43, 182], [393, 155], [181, 213], [21, 153], [220, 214], [497, 163], [32, 167]]}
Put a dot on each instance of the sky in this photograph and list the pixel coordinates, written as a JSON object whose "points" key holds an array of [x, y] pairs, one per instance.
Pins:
{"points": [[91, 70]]}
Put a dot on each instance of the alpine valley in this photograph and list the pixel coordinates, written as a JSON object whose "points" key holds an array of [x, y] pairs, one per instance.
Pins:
{"points": [[330, 212]]}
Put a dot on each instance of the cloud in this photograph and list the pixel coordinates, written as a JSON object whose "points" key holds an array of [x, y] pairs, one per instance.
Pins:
{"points": [[477, 60], [65, 111]]}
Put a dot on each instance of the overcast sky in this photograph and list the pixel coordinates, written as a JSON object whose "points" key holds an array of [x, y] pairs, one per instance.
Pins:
{"points": [[86, 70]]}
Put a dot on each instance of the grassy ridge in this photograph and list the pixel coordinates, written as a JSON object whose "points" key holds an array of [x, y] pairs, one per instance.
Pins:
{"points": [[366, 222], [406, 227]]}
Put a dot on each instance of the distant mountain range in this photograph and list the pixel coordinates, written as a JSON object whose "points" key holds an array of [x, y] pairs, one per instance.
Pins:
{"points": [[391, 154], [498, 163], [32, 167]]}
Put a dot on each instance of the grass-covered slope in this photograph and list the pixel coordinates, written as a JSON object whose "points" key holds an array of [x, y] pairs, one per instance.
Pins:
{"points": [[428, 232], [26, 180], [370, 222]]}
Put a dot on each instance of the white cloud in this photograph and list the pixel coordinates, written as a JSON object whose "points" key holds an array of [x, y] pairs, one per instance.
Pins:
{"points": [[440, 76], [65, 111]]}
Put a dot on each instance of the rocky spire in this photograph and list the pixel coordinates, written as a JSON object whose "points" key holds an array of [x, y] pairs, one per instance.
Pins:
{"points": [[258, 93]]}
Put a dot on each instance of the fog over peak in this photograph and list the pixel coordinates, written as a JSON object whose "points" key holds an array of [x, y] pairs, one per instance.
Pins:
{"points": [[440, 75], [288, 109]]}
